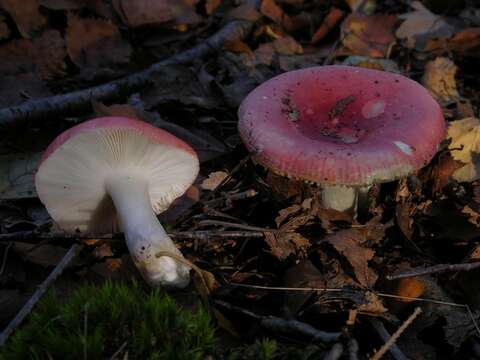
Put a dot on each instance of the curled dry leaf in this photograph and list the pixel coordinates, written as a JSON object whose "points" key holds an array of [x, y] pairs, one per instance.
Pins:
{"points": [[439, 79], [135, 13], [422, 25], [465, 147], [368, 35], [26, 15], [95, 43]]}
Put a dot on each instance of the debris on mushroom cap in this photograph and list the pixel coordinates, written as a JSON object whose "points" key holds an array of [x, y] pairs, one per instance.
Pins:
{"points": [[73, 170], [341, 125]]}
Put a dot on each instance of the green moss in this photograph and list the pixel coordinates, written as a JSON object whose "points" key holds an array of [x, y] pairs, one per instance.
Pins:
{"points": [[96, 322]]}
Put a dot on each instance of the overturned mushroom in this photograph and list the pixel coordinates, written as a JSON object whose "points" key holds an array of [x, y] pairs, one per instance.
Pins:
{"points": [[342, 127], [119, 171]]}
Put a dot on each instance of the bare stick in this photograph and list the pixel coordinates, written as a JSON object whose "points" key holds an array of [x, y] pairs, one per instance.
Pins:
{"points": [[385, 336], [234, 225], [378, 355], [335, 352], [27, 308], [34, 236], [434, 269], [37, 109], [277, 324]]}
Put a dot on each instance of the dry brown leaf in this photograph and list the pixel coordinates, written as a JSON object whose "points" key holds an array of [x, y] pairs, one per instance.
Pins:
{"points": [[409, 288], [441, 174], [275, 13], [466, 42], [327, 25], [422, 25], [368, 35], [44, 56], [354, 245], [212, 5], [214, 179], [465, 147], [135, 13], [26, 15], [95, 43], [439, 79], [404, 221]]}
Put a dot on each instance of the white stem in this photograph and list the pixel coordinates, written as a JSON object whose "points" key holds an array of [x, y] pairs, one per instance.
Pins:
{"points": [[344, 198], [144, 234]]}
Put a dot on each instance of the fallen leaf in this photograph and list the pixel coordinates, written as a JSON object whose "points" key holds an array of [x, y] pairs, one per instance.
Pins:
{"points": [[44, 56], [465, 42], [368, 35], [213, 180], [465, 147], [17, 175], [95, 43], [422, 25], [409, 288], [212, 5], [354, 245], [442, 172], [404, 220], [327, 25], [439, 79], [275, 13], [26, 15], [135, 13]]}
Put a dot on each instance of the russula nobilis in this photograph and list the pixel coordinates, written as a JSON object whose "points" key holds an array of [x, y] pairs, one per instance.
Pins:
{"points": [[118, 171], [344, 128]]}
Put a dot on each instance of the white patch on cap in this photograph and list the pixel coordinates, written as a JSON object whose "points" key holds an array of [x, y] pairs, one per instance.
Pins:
{"points": [[407, 149], [373, 108]]}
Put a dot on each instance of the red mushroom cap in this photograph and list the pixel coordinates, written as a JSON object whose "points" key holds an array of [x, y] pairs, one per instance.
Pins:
{"points": [[341, 125]]}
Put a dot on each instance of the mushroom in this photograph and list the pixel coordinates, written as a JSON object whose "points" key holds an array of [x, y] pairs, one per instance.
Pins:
{"points": [[115, 172], [344, 128]]}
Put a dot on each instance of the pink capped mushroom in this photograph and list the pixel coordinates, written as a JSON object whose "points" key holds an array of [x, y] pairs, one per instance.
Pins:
{"points": [[116, 171], [342, 127]]}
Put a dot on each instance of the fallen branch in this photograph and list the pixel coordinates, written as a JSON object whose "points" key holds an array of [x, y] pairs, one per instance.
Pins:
{"points": [[37, 109], [27, 308], [34, 236], [385, 336], [379, 354], [280, 325], [434, 269]]}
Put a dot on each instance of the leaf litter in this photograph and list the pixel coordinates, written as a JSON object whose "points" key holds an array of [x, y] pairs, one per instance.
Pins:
{"points": [[266, 234]]}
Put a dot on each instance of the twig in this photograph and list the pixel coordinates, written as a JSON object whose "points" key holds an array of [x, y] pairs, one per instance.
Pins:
{"points": [[384, 335], [434, 269], [382, 351], [120, 349], [37, 109], [280, 325], [201, 235], [27, 308], [5, 257], [335, 352], [234, 225]]}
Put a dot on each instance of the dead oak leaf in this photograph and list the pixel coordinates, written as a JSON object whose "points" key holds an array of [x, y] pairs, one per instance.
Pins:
{"points": [[286, 240], [354, 245], [95, 43], [44, 56], [26, 15], [368, 35], [465, 147], [421, 25]]}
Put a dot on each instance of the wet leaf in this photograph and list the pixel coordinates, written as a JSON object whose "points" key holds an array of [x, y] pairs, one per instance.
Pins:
{"points": [[465, 147], [439, 79]]}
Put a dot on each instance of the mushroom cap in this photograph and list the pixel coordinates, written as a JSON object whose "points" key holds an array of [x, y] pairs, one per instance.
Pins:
{"points": [[70, 180], [341, 125]]}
